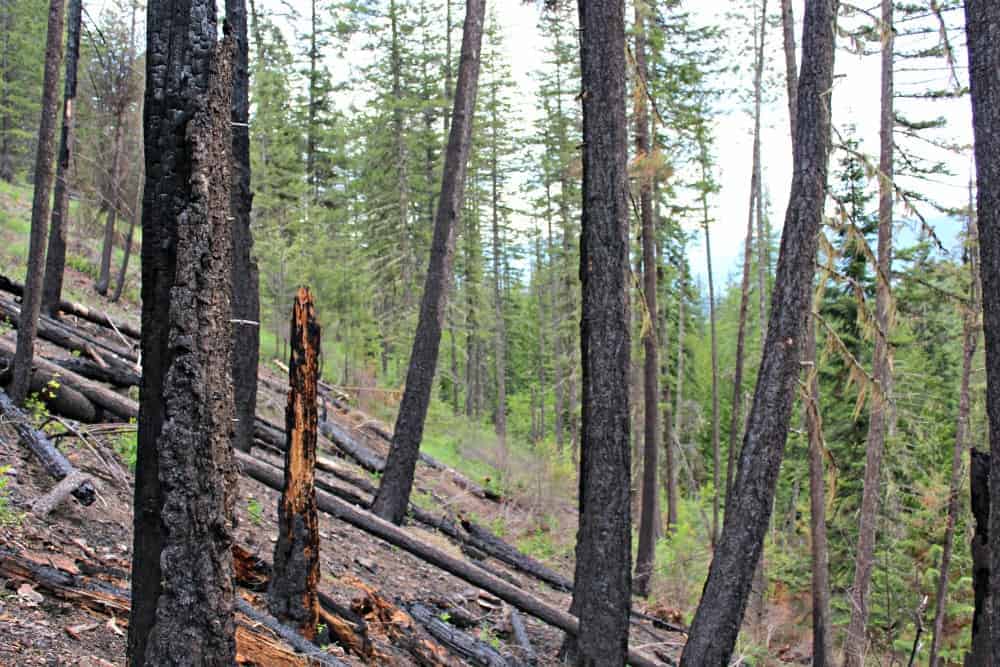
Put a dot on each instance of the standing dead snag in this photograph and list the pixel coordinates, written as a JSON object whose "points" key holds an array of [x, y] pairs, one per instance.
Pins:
{"points": [[182, 574], [292, 594]]}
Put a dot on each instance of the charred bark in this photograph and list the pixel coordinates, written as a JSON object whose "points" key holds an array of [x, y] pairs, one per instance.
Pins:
{"points": [[292, 595], [720, 612], [979, 486], [40, 206], [394, 491], [55, 257]]}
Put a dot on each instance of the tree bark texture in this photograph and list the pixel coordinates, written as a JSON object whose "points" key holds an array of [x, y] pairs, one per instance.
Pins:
{"points": [[791, 68], [720, 612], [970, 339], [245, 299], [55, 257], [182, 577], [878, 421], [601, 597], [983, 32], [394, 491], [979, 487], [292, 596], [649, 518], [40, 206]]}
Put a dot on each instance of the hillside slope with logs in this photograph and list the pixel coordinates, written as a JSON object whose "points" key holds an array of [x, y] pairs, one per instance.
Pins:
{"points": [[451, 587]]}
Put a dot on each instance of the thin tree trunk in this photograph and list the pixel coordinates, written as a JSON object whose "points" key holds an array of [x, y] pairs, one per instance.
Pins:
{"points": [[716, 463], [557, 348], [292, 594], [720, 612], [601, 597], [123, 269], [791, 68], [397, 481], [970, 339], [855, 643], [104, 276], [182, 584], [31, 304], [983, 31], [55, 258], [6, 124], [669, 438], [762, 239], [500, 328], [649, 515], [245, 297], [312, 103]]}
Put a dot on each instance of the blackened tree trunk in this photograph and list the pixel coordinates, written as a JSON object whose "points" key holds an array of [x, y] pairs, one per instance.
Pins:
{"points": [[601, 594], [649, 505], [979, 487], [791, 67], [182, 577], [397, 480], [55, 257], [735, 422], [40, 206], [983, 31], [136, 218], [970, 337], [246, 287], [856, 641], [292, 594], [720, 612]]}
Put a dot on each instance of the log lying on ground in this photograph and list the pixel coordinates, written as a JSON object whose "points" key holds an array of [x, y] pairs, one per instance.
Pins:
{"points": [[78, 309], [348, 444], [58, 397], [271, 477], [251, 646], [288, 635], [462, 644], [528, 655], [117, 405], [119, 376], [70, 338], [52, 459], [487, 542]]}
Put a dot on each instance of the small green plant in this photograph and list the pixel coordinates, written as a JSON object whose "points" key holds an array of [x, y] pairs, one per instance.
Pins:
{"points": [[36, 403], [488, 636], [126, 445], [7, 515], [255, 511], [445, 616], [320, 628]]}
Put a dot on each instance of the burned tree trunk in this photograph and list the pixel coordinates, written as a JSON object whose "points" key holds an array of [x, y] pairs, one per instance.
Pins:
{"points": [[720, 612], [394, 491], [979, 486], [55, 258], [182, 573], [40, 206], [983, 31], [292, 593]]}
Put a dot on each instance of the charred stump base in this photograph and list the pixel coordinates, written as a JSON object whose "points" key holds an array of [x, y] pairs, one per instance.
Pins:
{"points": [[292, 595], [979, 483]]}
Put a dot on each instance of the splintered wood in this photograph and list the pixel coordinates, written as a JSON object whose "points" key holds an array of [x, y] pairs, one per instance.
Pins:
{"points": [[292, 595]]}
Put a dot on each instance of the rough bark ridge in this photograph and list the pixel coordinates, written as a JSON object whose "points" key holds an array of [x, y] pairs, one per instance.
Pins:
{"points": [[245, 288], [40, 206], [720, 612], [982, 20], [855, 642], [292, 595], [182, 569], [601, 597], [55, 257], [394, 491], [979, 487], [649, 507]]}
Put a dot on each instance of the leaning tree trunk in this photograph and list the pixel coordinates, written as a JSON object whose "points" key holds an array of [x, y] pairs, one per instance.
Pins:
{"points": [[649, 507], [104, 274], [182, 577], [720, 612], [601, 595], [983, 31], [55, 257], [716, 459], [245, 298], [397, 481], [855, 642], [40, 206], [970, 338], [292, 595], [762, 239]]}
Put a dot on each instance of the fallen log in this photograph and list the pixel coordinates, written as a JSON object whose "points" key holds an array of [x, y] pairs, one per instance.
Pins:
{"points": [[346, 443], [528, 655], [67, 486], [288, 635], [371, 524], [54, 462], [117, 405], [462, 644], [118, 375], [78, 309], [58, 397], [487, 542], [67, 337]]}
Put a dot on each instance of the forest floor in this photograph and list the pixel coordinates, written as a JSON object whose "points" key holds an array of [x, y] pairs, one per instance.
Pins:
{"points": [[37, 628]]}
